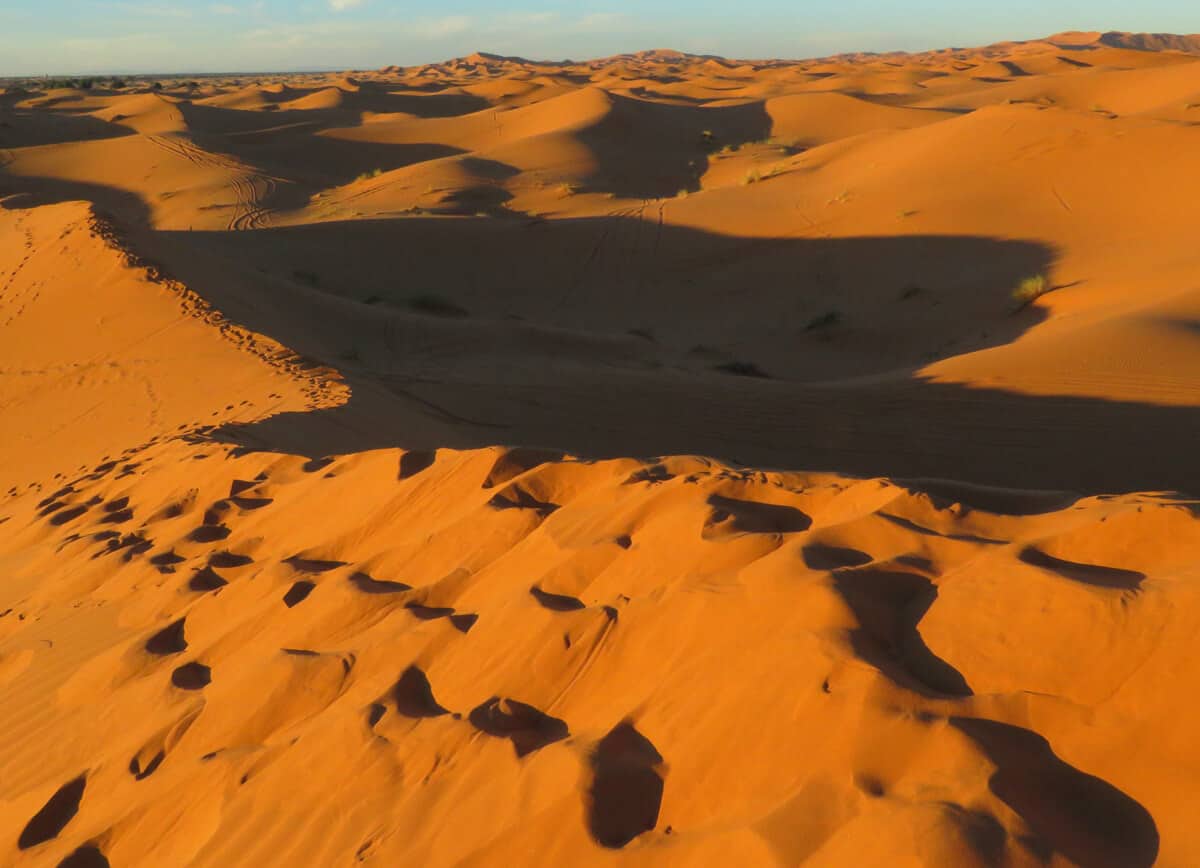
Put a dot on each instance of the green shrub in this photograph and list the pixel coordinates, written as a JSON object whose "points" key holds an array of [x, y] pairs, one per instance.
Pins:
{"points": [[1030, 289], [824, 321], [435, 305], [743, 369]]}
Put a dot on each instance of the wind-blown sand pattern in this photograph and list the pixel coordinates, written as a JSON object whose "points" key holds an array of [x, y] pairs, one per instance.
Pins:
{"points": [[640, 461]]}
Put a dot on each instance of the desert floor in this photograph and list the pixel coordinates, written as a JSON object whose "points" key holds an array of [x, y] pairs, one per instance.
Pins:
{"points": [[633, 462]]}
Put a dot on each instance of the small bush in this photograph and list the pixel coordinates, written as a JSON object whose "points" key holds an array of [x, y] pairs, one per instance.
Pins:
{"points": [[435, 305], [1030, 289], [751, 177], [742, 369], [824, 321], [565, 190]]}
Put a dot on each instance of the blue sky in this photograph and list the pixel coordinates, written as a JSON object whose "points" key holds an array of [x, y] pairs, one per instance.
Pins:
{"points": [[73, 36]]}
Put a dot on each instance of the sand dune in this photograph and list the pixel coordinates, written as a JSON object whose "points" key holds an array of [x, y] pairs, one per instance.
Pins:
{"points": [[632, 461]]}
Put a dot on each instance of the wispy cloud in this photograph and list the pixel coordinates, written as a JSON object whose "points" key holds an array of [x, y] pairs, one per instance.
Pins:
{"points": [[342, 5], [150, 10], [602, 21], [440, 28]]}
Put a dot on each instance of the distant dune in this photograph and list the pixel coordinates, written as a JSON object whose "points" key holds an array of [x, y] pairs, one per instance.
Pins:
{"points": [[652, 460]]}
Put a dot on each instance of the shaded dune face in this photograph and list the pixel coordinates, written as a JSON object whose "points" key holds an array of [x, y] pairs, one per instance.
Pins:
{"points": [[807, 543]]}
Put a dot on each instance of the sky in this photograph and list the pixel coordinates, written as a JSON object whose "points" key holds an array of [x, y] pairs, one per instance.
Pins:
{"points": [[62, 37]]}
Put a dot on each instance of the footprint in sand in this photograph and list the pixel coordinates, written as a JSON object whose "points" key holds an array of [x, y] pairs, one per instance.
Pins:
{"points": [[192, 676], [413, 695], [556, 602], [298, 593], [54, 815], [525, 726], [87, 856], [168, 640], [627, 787], [206, 579]]}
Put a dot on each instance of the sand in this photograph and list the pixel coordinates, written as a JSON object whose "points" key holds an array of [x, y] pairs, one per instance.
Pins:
{"points": [[635, 461]]}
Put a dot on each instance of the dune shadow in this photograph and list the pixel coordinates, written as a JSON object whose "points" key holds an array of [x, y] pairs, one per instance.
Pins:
{"points": [[54, 816], [627, 787], [322, 160], [554, 307], [1086, 819], [26, 128], [378, 97], [889, 606], [650, 150], [528, 728], [1089, 574], [32, 191], [413, 695], [558, 299], [749, 516]]}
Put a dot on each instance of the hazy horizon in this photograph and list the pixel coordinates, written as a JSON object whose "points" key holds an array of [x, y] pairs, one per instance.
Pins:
{"points": [[113, 37]]}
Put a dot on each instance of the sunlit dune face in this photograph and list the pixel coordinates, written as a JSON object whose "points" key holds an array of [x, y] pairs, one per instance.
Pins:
{"points": [[651, 460]]}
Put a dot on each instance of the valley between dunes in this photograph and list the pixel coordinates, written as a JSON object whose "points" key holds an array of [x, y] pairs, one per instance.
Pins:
{"points": [[639, 461]]}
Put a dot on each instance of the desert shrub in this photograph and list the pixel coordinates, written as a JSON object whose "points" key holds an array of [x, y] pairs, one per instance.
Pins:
{"points": [[742, 369], [751, 177], [436, 305], [566, 189], [1030, 289], [824, 321]]}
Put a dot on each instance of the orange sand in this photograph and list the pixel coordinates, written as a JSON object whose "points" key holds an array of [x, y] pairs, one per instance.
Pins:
{"points": [[331, 533]]}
